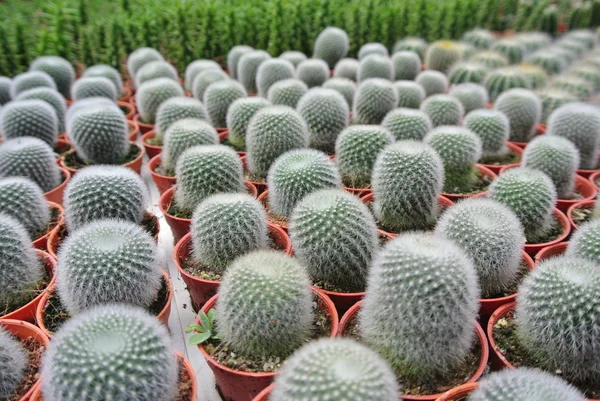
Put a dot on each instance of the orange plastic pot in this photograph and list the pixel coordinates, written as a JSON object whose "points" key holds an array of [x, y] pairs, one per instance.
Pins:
{"points": [[134, 130], [127, 108], [551, 251], [497, 359], [264, 395], [586, 204], [163, 182], [56, 195], [539, 130], [144, 128], [135, 164], [514, 149], [151, 150], [484, 171], [458, 393], [533, 249], [126, 94], [42, 242]]}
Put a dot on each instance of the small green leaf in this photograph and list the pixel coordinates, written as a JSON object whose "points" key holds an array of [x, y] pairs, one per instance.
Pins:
{"points": [[204, 321], [194, 327], [199, 338], [211, 316]]}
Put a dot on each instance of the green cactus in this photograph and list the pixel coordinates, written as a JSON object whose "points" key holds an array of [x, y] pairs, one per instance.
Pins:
{"points": [[106, 71], [196, 67], [372, 48], [416, 45], [536, 75], [374, 98], [550, 61], [572, 46], [139, 58], [331, 45], [407, 124], [50, 96], [287, 92], [490, 58], [467, 71], [443, 110], [61, 71], [233, 58], [512, 49], [152, 94], [552, 99], [206, 78], [346, 68], [29, 118], [218, 97], [294, 57], [584, 36], [177, 108], [182, 135], [406, 65], [312, 72], [375, 66], [270, 72], [30, 80], [434, 82], [472, 96], [442, 54], [582, 243], [523, 109], [84, 88], [22, 199], [13, 363], [248, 66], [503, 79], [577, 87], [589, 74], [480, 38], [549, 21], [493, 128], [155, 70], [410, 94], [345, 86]]}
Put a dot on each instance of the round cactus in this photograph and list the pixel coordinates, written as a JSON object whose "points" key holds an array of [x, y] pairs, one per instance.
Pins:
{"points": [[575, 48], [579, 123], [178, 108], [296, 174], [480, 38], [99, 355], [443, 110], [503, 79], [442, 277], [331, 45], [410, 94], [583, 36], [150, 95], [30, 80], [416, 45], [356, 150], [138, 58], [31, 158], [434, 82], [271, 71], [491, 59], [125, 254], [564, 53], [182, 135], [534, 41], [372, 48], [233, 58], [346, 68], [407, 124], [287, 92], [312, 72], [374, 98], [558, 158], [491, 234], [375, 66], [196, 67], [22, 199], [29, 118], [467, 71], [407, 180], [85, 104], [513, 49], [50, 96], [239, 115], [106, 71], [206, 78], [205, 170], [584, 240], [552, 99], [314, 373], [441, 55], [104, 192], [556, 317], [248, 66], [550, 61], [492, 127], [61, 71], [294, 57], [577, 87], [88, 87], [326, 114], [536, 75], [335, 236], [219, 96], [226, 226], [523, 109], [472, 96], [264, 305], [589, 74], [5, 84], [406, 65], [271, 132], [459, 149], [13, 362], [344, 86], [531, 195]]}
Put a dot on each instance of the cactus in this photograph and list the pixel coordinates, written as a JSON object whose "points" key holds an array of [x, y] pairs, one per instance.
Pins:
{"points": [[579, 123], [154, 70], [13, 363], [584, 240], [152, 94], [583, 36], [441, 55], [406, 65], [346, 68], [434, 82], [408, 177], [331, 45], [5, 84], [503, 79], [564, 53], [264, 305], [575, 86], [178, 108], [471, 96], [287, 92], [556, 318], [182, 135], [205, 170], [375, 66], [493, 128], [31, 158], [22, 199], [326, 114], [140, 57], [549, 20], [523, 109], [410, 94], [356, 150], [589, 74], [402, 330], [480, 38], [335, 236], [239, 115], [312, 72], [61, 71], [550, 61], [196, 67], [29, 118], [572, 46], [125, 254], [512, 49], [344, 86], [248, 66], [491, 234], [372, 48], [271, 71], [416, 45], [219, 96], [524, 384], [294, 57], [374, 98], [459, 149], [407, 124], [233, 58], [365, 375], [491, 59], [104, 192], [106, 71], [296, 174], [100, 134], [50, 96], [558, 158], [206, 78], [552, 99], [30, 80], [531, 195], [85, 88], [226, 226], [467, 71], [536, 75], [443, 110], [90, 353]]}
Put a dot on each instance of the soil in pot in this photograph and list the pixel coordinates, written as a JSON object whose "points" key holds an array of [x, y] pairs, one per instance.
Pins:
{"points": [[556, 230], [72, 161], [34, 356], [35, 291], [509, 158], [479, 184], [154, 141]]}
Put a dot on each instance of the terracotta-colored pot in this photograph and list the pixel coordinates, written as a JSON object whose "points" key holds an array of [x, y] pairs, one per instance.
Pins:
{"points": [[56, 195], [458, 393], [126, 94], [514, 149], [40, 312], [42, 242], [134, 130], [24, 331], [151, 150], [135, 164], [533, 249], [589, 173], [593, 177], [260, 186], [202, 290], [348, 316], [27, 311], [497, 359], [236, 385], [484, 171], [127, 108], [163, 182], [130, 85], [585, 187], [586, 204], [144, 128], [540, 130], [551, 251], [264, 395]]}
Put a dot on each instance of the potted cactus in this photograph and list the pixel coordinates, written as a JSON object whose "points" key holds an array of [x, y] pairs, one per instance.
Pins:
{"points": [[367, 111], [433, 82], [150, 95], [523, 109], [61, 71], [287, 92], [238, 117], [331, 45], [443, 110], [472, 96]]}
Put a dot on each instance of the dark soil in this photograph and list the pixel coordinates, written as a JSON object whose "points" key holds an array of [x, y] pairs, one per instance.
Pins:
{"points": [[254, 178], [163, 171], [273, 218], [480, 185], [74, 162], [35, 291], [555, 231], [185, 384], [125, 110], [150, 224], [514, 287], [508, 158], [54, 219], [62, 149], [582, 215], [34, 355]]}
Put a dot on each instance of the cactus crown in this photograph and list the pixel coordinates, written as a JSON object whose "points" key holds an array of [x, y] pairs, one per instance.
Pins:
{"points": [[248, 67], [287, 92], [53, 98], [552, 62], [374, 98], [151, 94], [375, 66], [582, 243], [407, 124], [535, 74], [98, 355], [22, 199], [271, 71], [29, 80], [523, 109], [402, 330], [61, 71], [86, 87], [410, 94], [264, 305], [123, 251], [219, 96], [576, 86], [239, 115], [330, 368], [372, 48], [106, 71], [480, 38], [233, 58], [154, 70], [226, 226], [178, 108], [471, 96], [293, 56], [196, 67], [503, 79], [493, 128], [443, 110], [331, 45], [346, 68], [344, 86], [441, 55], [491, 59], [206, 78], [181, 136], [434, 82], [312, 72], [138, 58], [407, 64], [104, 192], [13, 362], [416, 45], [29, 118], [513, 49], [467, 71]]}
